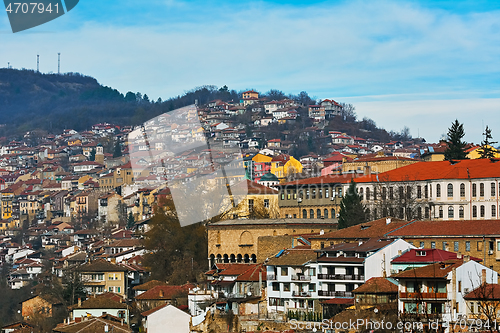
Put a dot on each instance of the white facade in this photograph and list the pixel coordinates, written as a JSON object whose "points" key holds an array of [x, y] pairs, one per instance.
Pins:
{"points": [[167, 319], [378, 264]]}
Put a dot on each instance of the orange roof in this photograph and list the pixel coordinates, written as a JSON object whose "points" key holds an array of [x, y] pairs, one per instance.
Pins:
{"points": [[448, 228], [485, 291], [328, 179], [163, 292], [377, 285], [372, 229], [437, 270], [463, 169]]}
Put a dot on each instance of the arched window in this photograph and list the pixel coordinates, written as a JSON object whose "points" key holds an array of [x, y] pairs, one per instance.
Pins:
{"points": [[333, 213], [375, 214], [304, 214], [239, 258], [438, 190], [474, 190], [493, 192], [461, 212], [361, 195], [419, 212], [254, 258], [384, 193], [481, 189], [219, 258], [232, 258], [426, 212], [212, 260], [450, 190], [325, 213], [367, 193], [318, 213], [462, 190], [226, 259], [440, 212], [367, 212], [482, 211], [247, 259], [311, 213], [474, 211], [451, 213]]}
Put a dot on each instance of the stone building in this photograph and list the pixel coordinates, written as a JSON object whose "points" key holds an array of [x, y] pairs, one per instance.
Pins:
{"points": [[237, 240]]}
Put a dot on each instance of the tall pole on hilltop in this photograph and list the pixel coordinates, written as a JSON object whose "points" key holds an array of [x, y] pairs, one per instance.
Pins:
{"points": [[59, 63]]}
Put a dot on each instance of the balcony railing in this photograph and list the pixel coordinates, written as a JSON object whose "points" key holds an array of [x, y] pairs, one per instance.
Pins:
{"points": [[301, 277], [341, 277], [417, 295], [301, 294], [335, 293]]}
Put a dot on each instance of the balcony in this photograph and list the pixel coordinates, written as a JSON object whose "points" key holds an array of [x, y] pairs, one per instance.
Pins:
{"points": [[417, 295], [341, 277], [335, 293], [301, 278], [301, 294]]}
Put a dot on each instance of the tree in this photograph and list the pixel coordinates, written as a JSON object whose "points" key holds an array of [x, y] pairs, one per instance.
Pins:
{"points": [[348, 112], [456, 147], [486, 150], [73, 286], [352, 210], [92, 155], [130, 221], [117, 152]]}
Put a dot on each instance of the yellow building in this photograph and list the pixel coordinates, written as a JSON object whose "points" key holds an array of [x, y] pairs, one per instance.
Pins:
{"points": [[260, 202], [284, 165], [6, 197], [475, 152], [377, 164], [101, 276]]}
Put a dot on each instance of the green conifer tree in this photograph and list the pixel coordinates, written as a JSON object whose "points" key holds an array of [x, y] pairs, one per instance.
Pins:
{"points": [[352, 210], [486, 150], [456, 147]]}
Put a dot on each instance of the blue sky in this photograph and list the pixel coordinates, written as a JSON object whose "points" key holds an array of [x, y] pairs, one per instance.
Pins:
{"points": [[419, 64]]}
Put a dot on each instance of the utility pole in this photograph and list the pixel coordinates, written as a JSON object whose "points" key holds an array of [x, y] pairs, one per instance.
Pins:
{"points": [[58, 63], [38, 63]]}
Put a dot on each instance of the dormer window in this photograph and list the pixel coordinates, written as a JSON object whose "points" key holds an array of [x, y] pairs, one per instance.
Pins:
{"points": [[421, 253]]}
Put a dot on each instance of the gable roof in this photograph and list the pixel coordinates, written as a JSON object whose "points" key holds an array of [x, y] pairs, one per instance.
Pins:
{"points": [[437, 270], [461, 228], [163, 292], [431, 256], [485, 291], [377, 285], [372, 229], [101, 266]]}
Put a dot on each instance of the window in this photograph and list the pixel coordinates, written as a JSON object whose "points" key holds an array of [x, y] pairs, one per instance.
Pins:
{"points": [[462, 190], [307, 194], [455, 246], [250, 205], [367, 193], [320, 193], [421, 253], [304, 214], [474, 211], [421, 245], [426, 191], [327, 192], [318, 213], [481, 189], [440, 212], [284, 271], [333, 213], [450, 212], [325, 213], [493, 211], [467, 246], [438, 190], [110, 289], [419, 192], [450, 190], [480, 245], [384, 193], [301, 194], [444, 246], [419, 213], [391, 193], [461, 212], [311, 213], [314, 193], [459, 286], [474, 190], [312, 287], [340, 192], [433, 245], [426, 215], [276, 286], [118, 289], [481, 210], [493, 192], [266, 203], [286, 286]]}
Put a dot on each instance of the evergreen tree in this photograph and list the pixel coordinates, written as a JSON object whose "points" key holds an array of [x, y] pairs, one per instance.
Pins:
{"points": [[117, 152], [486, 150], [130, 221], [456, 147], [92, 155], [352, 211]]}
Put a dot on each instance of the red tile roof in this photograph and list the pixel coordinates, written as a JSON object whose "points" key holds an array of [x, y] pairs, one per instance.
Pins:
{"points": [[163, 292], [431, 256], [437, 270], [377, 285], [373, 229], [448, 228], [328, 179], [463, 169], [486, 291]]}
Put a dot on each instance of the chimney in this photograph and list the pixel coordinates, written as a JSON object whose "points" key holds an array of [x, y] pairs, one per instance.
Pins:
{"points": [[388, 220], [79, 302], [459, 255], [466, 258], [483, 276]]}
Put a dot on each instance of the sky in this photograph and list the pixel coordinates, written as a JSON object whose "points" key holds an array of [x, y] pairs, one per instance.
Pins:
{"points": [[420, 64]]}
